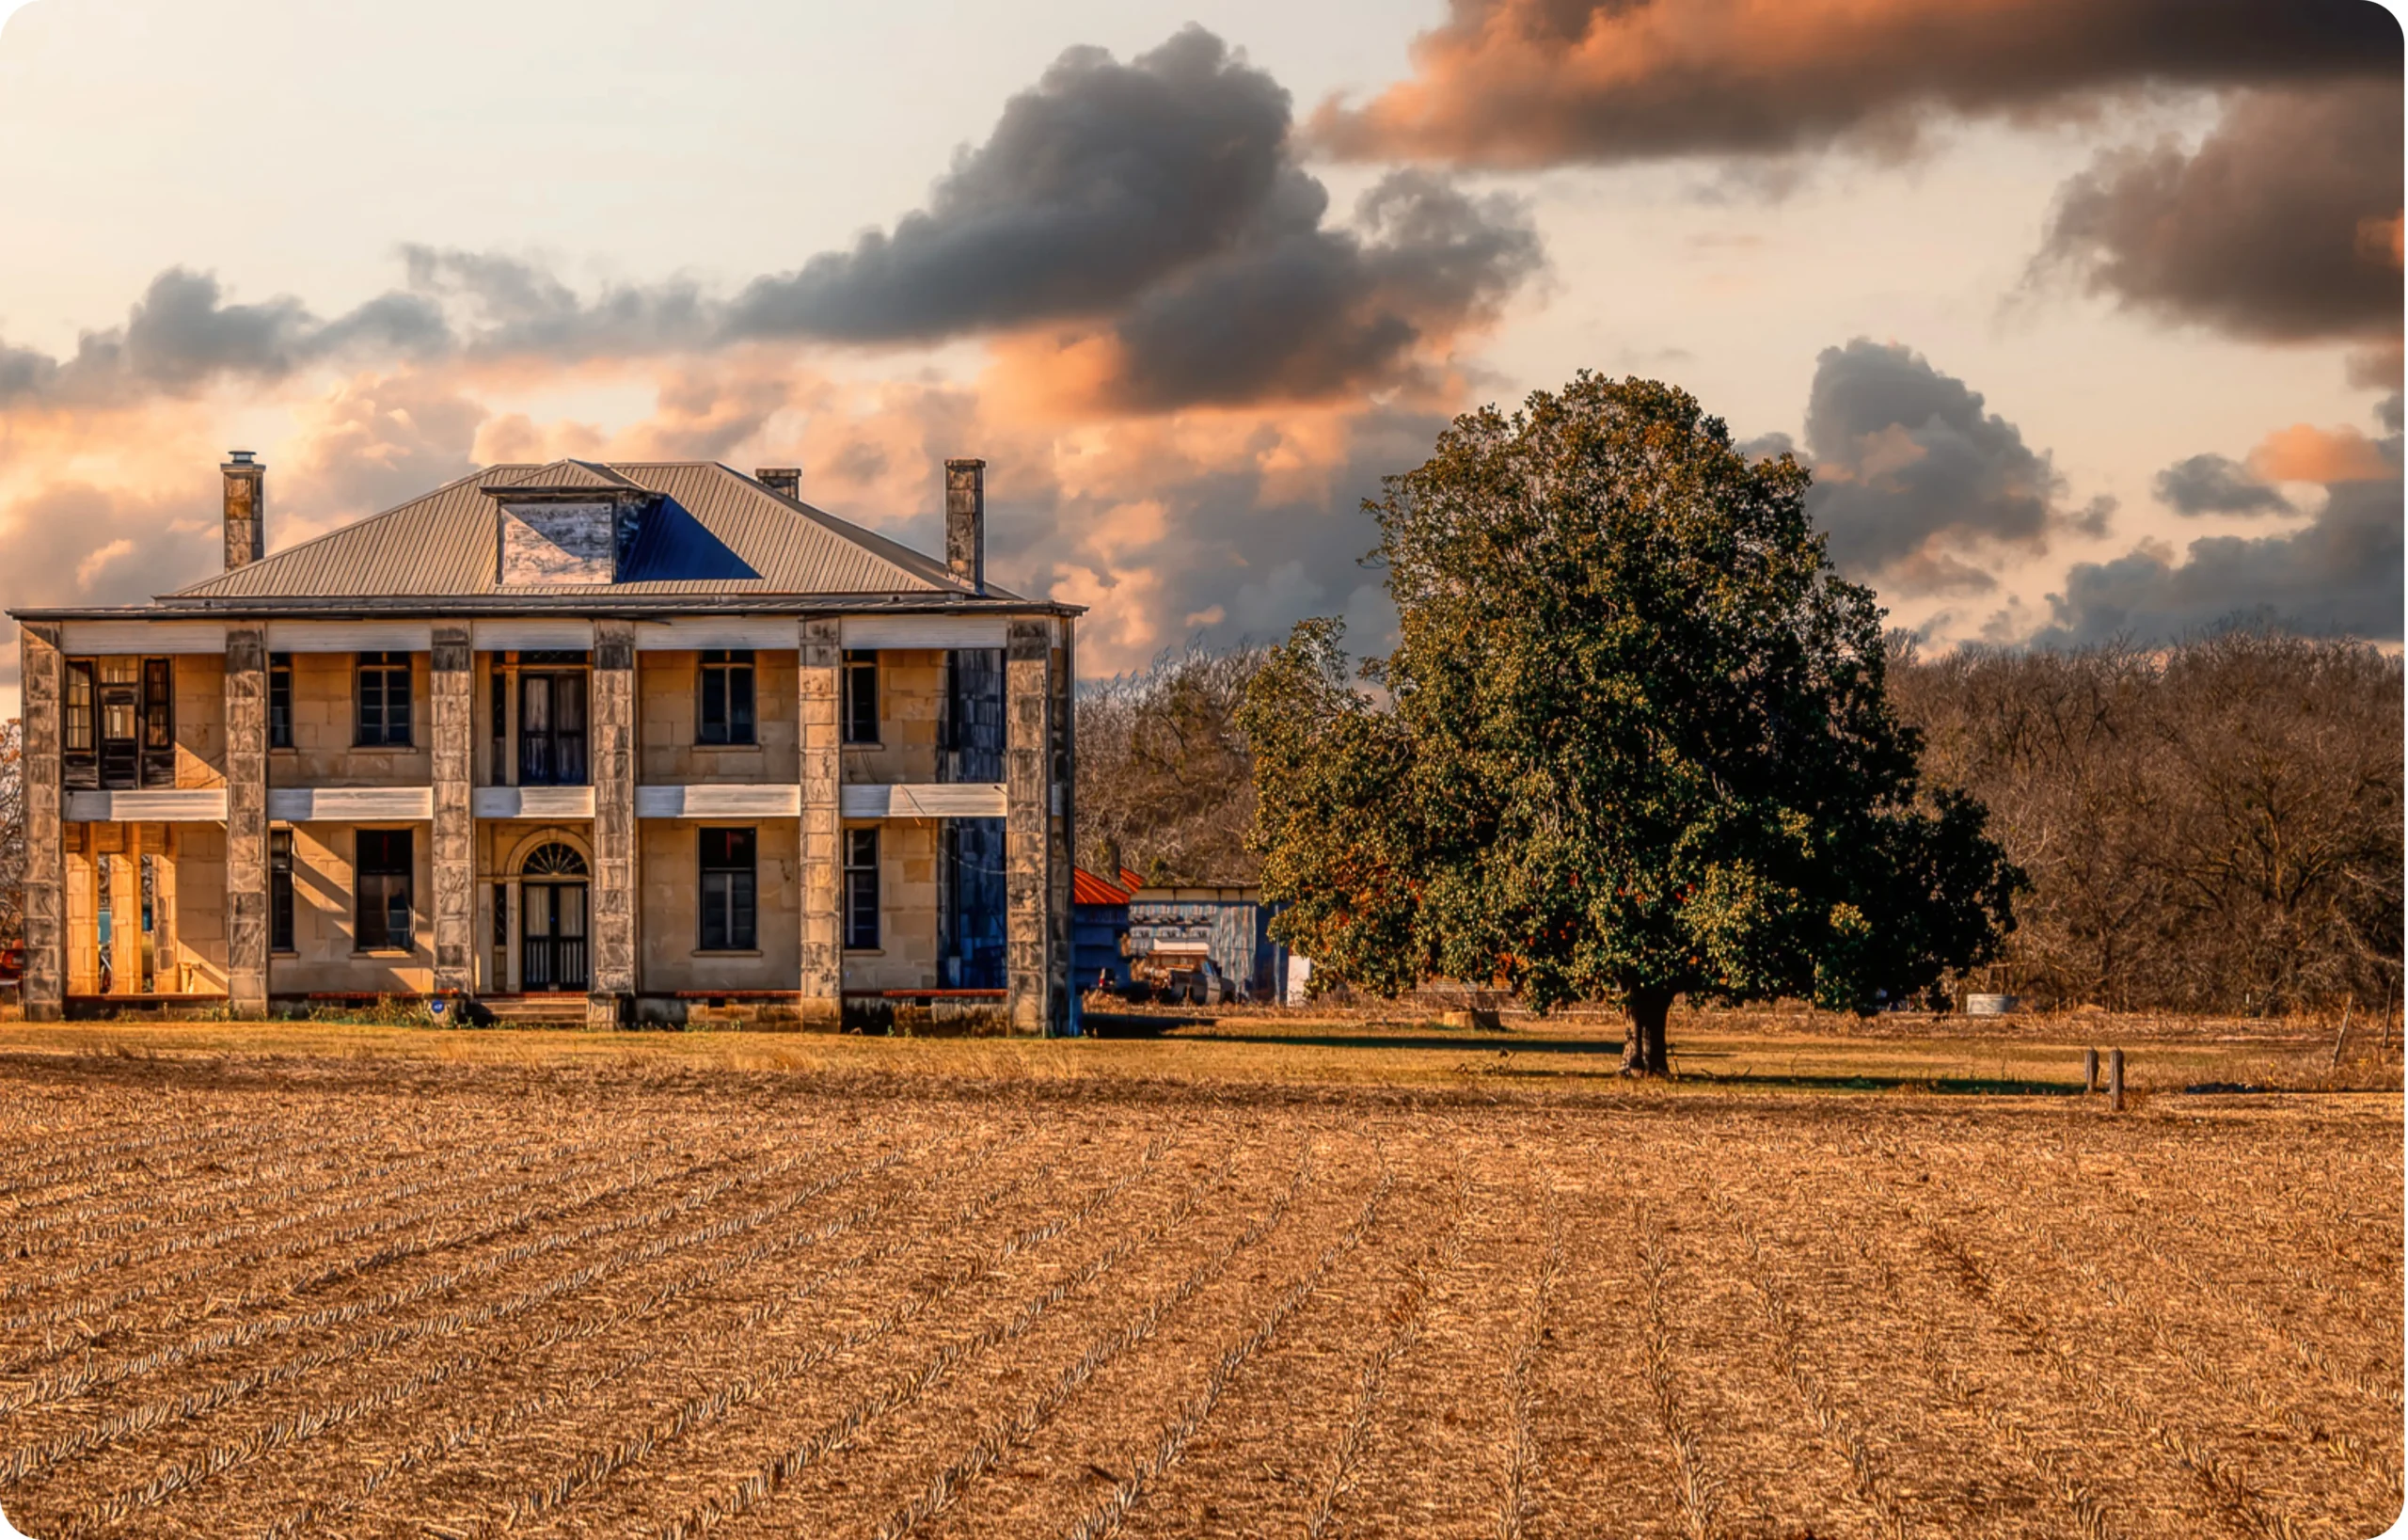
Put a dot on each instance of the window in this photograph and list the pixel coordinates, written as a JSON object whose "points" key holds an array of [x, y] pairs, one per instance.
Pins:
{"points": [[279, 700], [75, 731], [384, 700], [860, 697], [280, 890], [727, 697], [383, 865], [861, 889], [158, 721], [728, 890]]}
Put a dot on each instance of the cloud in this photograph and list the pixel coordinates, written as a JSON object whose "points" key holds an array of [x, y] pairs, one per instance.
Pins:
{"points": [[2337, 575], [1912, 475], [2210, 484], [2283, 226], [1513, 83], [513, 308], [1146, 230], [184, 335]]}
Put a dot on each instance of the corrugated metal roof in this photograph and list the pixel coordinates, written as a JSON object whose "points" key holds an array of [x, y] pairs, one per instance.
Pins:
{"points": [[1087, 888], [718, 532]]}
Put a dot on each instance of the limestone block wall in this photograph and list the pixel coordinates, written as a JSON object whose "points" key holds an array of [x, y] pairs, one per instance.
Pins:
{"points": [[669, 925], [324, 722], [910, 713], [201, 719], [906, 958], [324, 921], [669, 706]]}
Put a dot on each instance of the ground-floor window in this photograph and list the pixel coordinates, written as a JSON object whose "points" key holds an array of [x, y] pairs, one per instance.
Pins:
{"points": [[861, 889], [280, 890], [386, 920], [729, 891]]}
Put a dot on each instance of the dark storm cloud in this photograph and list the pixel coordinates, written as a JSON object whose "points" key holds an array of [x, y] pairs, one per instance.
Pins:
{"points": [[2282, 226], [182, 335], [2210, 484], [1541, 82], [1160, 199], [1912, 475], [1103, 178], [1300, 311]]}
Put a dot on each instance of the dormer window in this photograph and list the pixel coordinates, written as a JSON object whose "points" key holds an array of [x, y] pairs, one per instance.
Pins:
{"points": [[566, 524]]}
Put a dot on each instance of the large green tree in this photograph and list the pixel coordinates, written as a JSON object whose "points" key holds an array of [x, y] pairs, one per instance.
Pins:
{"points": [[1632, 744]]}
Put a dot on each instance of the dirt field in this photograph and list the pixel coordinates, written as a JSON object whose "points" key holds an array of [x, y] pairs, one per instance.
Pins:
{"points": [[643, 1290]]}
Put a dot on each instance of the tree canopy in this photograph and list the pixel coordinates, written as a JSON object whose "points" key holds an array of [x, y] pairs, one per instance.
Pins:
{"points": [[1633, 741]]}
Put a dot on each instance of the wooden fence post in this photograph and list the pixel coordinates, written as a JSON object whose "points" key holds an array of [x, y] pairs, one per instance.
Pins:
{"points": [[2089, 1071], [2114, 1080], [2349, 1003]]}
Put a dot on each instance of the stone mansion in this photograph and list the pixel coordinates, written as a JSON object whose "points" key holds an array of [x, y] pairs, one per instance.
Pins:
{"points": [[621, 742]]}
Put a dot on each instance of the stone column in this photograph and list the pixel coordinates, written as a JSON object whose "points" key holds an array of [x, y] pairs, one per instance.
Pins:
{"points": [[819, 737], [451, 710], [248, 929], [1062, 843], [43, 673], [166, 956], [126, 911], [83, 912], [611, 726], [1029, 750]]}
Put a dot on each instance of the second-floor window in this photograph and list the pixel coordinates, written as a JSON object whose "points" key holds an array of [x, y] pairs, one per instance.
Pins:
{"points": [[730, 891], [280, 890], [118, 728], [386, 920], [384, 695], [279, 700], [726, 714], [861, 696]]}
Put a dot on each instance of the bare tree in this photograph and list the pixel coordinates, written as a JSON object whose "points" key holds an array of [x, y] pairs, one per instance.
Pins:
{"points": [[12, 832], [2214, 826], [1166, 779]]}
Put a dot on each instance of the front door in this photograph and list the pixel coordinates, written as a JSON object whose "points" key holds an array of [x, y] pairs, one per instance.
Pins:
{"points": [[552, 937]]}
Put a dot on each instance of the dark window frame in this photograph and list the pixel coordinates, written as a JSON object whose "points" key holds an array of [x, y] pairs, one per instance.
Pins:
{"points": [[279, 892], [861, 916], [381, 725], [728, 864], [382, 884], [79, 734], [862, 721], [725, 699], [279, 700]]}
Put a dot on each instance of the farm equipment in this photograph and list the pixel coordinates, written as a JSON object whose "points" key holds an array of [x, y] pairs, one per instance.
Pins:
{"points": [[1179, 973]]}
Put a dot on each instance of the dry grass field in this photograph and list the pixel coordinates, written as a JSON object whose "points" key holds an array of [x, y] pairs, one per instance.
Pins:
{"points": [[316, 1282]]}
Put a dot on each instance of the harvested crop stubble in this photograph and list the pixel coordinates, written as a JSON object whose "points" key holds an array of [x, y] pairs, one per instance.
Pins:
{"points": [[306, 1297]]}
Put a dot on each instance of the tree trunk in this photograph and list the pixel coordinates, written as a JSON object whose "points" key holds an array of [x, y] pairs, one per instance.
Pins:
{"points": [[1642, 1048]]}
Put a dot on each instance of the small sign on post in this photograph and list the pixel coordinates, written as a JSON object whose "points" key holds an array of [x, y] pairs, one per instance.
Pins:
{"points": [[2089, 1071], [2114, 1080]]}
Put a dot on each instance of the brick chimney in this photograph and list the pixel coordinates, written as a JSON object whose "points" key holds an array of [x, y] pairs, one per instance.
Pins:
{"points": [[245, 509], [786, 481], [965, 522]]}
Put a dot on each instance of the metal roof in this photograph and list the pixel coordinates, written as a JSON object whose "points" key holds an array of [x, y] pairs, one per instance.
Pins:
{"points": [[1087, 888], [716, 534]]}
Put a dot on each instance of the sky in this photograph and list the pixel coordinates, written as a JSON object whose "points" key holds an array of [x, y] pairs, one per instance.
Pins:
{"points": [[2085, 313]]}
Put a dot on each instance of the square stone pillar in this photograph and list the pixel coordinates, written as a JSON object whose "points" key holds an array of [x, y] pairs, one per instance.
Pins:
{"points": [[167, 955], [83, 915], [125, 911], [611, 723], [1038, 985], [451, 712], [820, 738], [248, 928], [43, 673]]}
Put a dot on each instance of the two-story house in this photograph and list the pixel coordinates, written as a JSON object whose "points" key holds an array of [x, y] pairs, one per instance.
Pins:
{"points": [[619, 738]]}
